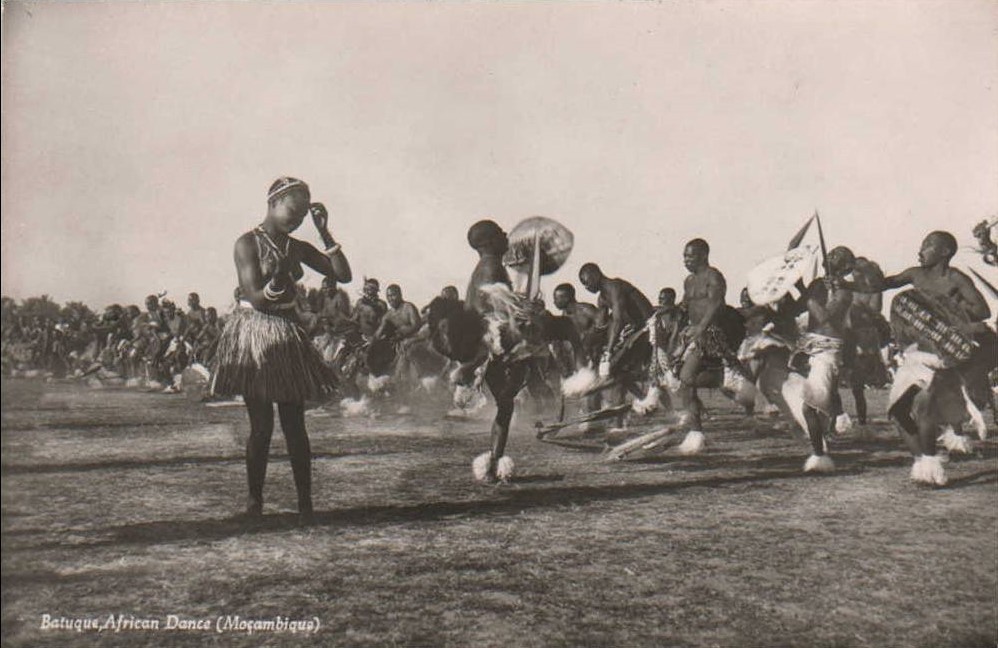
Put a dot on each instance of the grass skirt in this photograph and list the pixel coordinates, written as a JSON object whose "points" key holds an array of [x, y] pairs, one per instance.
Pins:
{"points": [[268, 356]]}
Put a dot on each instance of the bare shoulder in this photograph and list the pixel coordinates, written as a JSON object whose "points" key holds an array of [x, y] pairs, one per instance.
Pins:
{"points": [[959, 275], [909, 275], [714, 275], [962, 280], [614, 287], [246, 246]]}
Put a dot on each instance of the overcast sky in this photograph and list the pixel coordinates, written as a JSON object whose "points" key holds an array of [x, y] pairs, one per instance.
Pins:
{"points": [[139, 139]]}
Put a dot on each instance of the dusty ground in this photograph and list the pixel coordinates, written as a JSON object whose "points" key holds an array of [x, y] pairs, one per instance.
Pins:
{"points": [[118, 502]]}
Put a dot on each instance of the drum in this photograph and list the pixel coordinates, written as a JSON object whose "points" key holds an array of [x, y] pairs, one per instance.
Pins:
{"points": [[933, 323]]}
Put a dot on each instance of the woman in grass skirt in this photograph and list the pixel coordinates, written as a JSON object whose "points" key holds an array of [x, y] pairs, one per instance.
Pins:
{"points": [[263, 353]]}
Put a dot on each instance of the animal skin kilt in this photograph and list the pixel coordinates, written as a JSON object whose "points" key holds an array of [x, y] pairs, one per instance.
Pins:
{"points": [[267, 356], [942, 389], [750, 355], [714, 348], [862, 364], [819, 388], [947, 365], [628, 350]]}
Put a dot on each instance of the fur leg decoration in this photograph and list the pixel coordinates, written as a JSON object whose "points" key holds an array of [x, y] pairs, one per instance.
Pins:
{"points": [[928, 470], [581, 382], [954, 442], [202, 370], [843, 423], [467, 401], [469, 398], [649, 403], [504, 470], [819, 464], [976, 418], [355, 407], [462, 396], [480, 466], [693, 443], [376, 383]]}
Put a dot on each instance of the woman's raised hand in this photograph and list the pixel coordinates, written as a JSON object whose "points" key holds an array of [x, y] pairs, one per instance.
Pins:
{"points": [[320, 217]]}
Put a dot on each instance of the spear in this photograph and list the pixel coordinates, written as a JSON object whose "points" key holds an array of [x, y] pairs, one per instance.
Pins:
{"points": [[799, 236], [534, 279], [985, 282], [821, 240]]}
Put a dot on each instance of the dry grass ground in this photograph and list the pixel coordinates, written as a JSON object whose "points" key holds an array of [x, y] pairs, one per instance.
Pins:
{"points": [[118, 502]]}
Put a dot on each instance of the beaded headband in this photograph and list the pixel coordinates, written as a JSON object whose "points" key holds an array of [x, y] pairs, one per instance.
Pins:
{"points": [[283, 186]]}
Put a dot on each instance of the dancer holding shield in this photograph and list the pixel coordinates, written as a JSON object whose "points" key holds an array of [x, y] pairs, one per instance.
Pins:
{"points": [[497, 333], [948, 351]]}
